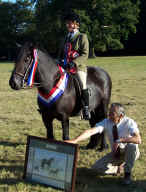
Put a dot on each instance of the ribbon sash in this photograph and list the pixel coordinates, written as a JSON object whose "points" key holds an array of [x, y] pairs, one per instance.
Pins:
{"points": [[56, 91], [33, 69]]}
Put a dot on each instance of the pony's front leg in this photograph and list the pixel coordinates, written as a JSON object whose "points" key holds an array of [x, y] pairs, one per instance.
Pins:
{"points": [[49, 125], [65, 128], [50, 134]]}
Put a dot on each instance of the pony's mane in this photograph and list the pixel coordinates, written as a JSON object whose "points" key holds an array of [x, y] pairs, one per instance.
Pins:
{"points": [[33, 45], [40, 47]]}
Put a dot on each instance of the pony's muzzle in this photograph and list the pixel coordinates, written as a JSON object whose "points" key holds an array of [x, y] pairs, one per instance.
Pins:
{"points": [[16, 82]]}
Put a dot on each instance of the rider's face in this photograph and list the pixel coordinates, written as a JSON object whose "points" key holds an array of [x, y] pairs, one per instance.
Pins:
{"points": [[71, 26]]}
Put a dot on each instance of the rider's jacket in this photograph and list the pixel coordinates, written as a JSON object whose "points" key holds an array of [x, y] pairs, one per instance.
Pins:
{"points": [[75, 50]]}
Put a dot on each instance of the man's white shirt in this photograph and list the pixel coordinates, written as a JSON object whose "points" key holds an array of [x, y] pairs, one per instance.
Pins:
{"points": [[126, 128]]}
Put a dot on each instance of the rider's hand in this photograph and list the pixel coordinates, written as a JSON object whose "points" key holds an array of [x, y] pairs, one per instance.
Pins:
{"points": [[61, 62], [71, 65]]}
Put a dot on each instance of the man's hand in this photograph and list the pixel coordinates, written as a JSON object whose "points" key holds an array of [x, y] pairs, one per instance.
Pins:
{"points": [[71, 141], [116, 151], [115, 147], [86, 134], [136, 138]]}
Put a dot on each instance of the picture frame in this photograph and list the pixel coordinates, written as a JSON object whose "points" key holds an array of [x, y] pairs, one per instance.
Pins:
{"points": [[52, 163]]}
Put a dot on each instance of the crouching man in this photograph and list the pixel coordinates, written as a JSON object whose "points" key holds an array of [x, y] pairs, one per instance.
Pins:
{"points": [[124, 137]]}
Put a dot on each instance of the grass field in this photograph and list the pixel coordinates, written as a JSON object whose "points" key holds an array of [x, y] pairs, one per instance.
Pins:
{"points": [[19, 118]]}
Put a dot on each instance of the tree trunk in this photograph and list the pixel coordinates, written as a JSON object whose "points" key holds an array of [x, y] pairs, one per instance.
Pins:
{"points": [[92, 53]]}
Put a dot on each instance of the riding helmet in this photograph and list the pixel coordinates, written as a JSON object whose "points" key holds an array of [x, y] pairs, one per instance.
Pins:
{"points": [[72, 17]]}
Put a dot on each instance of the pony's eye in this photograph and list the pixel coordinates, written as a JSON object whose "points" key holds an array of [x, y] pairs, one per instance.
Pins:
{"points": [[26, 59]]}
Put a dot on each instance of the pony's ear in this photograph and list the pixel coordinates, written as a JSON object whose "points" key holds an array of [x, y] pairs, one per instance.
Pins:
{"points": [[18, 45], [37, 44], [31, 45]]}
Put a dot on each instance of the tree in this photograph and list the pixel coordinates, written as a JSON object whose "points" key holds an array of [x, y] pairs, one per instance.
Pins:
{"points": [[136, 42], [107, 23], [47, 25], [111, 22], [15, 21]]}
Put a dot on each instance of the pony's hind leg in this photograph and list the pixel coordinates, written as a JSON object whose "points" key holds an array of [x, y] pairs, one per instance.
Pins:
{"points": [[103, 144], [48, 124], [95, 139], [98, 139]]}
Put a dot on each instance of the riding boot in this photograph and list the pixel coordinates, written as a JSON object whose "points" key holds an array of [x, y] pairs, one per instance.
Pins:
{"points": [[85, 102]]}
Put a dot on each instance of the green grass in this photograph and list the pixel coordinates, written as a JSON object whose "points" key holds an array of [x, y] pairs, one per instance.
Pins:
{"points": [[19, 118]]}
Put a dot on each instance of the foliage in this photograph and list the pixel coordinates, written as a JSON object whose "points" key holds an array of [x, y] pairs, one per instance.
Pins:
{"points": [[108, 24], [137, 42], [111, 22], [15, 22], [47, 24], [142, 24]]}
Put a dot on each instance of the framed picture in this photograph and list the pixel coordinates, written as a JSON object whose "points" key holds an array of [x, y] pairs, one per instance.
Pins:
{"points": [[52, 163]]}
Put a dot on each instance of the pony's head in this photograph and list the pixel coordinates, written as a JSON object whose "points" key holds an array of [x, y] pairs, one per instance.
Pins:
{"points": [[22, 67]]}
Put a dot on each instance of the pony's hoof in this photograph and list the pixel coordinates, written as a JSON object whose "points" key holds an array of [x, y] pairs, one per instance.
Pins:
{"points": [[103, 148], [100, 149], [90, 146], [39, 111]]}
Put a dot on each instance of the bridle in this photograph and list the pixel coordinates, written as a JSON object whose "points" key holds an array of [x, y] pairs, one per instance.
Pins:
{"points": [[26, 74]]}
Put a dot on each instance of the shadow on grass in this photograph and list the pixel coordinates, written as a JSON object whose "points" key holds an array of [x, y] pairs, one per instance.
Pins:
{"points": [[6, 178], [86, 181], [89, 181], [10, 181], [12, 169], [6, 62], [14, 161], [11, 144], [97, 148]]}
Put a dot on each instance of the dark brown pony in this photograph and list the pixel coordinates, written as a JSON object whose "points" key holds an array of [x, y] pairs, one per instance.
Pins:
{"points": [[46, 77]]}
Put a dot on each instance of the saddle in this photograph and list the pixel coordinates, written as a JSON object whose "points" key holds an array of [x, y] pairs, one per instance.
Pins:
{"points": [[77, 83], [78, 88]]}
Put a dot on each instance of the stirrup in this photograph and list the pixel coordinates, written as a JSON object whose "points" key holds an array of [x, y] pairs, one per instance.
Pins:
{"points": [[86, 113]]}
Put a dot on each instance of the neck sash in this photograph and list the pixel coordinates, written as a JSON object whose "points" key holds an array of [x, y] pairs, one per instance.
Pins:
{"points": [[56, 91]]}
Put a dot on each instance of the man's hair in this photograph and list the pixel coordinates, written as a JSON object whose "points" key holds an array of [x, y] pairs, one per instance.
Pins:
{"points": [[120, 108]]}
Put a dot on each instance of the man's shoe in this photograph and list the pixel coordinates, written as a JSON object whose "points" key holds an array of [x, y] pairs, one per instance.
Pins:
{"points": [[127, 179], [120, 170]]}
